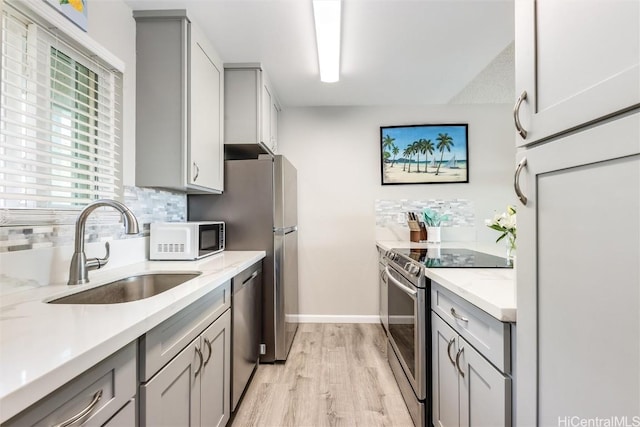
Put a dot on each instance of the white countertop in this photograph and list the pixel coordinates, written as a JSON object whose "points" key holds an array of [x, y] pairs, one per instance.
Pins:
{"points": [[43, 346], [493, 290]]}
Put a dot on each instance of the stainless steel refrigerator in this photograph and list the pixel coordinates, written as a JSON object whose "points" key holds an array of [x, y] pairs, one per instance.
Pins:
{"points": [[259, 207]]}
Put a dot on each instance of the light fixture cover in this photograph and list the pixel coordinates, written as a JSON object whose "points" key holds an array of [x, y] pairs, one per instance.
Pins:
{"points": [[327, 20]]}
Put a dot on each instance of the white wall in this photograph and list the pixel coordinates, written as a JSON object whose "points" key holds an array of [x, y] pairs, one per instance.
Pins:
{"points": [[336, 151], [112, 25]]}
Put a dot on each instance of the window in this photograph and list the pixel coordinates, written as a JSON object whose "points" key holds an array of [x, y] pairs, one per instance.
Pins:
{"points": [[61, 120]]}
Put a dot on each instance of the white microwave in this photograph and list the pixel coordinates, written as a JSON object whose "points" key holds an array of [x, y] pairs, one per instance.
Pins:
{"points": [[185, 240]]}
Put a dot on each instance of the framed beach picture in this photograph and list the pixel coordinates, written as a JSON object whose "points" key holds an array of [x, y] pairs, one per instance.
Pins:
{"points": [[74, 10], [424, 154]]}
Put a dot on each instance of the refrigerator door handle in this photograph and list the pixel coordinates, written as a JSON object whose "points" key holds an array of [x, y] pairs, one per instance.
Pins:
{"points": [[285, 230]]}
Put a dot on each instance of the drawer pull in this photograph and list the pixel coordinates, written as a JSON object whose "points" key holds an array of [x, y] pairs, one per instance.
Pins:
{"points": [[86, 411], [457, 316], [451, 341], [208, 343], [199, 353], [458, 361]]}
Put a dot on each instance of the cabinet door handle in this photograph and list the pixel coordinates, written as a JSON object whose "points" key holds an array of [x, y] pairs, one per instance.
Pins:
{"points": [[457, 316], [199, 353], [208, 343], [458, 361], [197, 169], [516, 181], [516, 115], [451, 341], [86, 411]]}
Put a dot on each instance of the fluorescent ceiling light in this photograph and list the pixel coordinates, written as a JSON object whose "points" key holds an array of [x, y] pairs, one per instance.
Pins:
{"points": [[327, 18]]}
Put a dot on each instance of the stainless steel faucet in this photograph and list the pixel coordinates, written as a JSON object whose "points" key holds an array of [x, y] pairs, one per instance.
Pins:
{"points": [[80, 266]]}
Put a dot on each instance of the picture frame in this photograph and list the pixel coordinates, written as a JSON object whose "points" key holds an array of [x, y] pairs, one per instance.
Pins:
{"points": [[424, 154], [74, 10]]}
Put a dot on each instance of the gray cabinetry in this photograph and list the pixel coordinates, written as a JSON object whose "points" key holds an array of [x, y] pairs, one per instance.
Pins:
{"points": [[126, 417], [469, 389], [179, 104], [215, 395], [172, 397], [578, 295], [185, 365], [92, 398], [574, 69], [192, 389], [251, 107]]}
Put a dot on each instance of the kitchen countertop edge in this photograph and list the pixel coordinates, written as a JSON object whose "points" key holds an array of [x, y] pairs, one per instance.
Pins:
{"points": [[491, 290], [43, 375]]}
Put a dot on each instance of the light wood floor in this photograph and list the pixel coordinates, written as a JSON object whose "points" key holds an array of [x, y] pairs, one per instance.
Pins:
{"points": [[336, 375]]}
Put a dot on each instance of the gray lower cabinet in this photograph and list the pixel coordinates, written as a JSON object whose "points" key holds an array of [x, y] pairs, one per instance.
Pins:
{"points": [[126, 417], [467, 389], [471, 364], [185, 365], [101, 396], [215, 386], [192, 389]]}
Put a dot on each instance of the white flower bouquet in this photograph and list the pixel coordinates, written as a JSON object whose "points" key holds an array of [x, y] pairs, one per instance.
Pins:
{"points": [[505, 223]]}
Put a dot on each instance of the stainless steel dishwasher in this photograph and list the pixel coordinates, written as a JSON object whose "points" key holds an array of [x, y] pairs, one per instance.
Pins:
{"points": [[246, 315]]}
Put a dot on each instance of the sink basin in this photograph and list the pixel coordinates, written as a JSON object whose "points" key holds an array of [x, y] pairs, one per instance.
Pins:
{"points": [[131, 288]]}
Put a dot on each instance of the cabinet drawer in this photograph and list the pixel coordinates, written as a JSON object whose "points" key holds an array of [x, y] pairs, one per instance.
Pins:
{"points": [[487, 334], [114, 378], [165, 341]]}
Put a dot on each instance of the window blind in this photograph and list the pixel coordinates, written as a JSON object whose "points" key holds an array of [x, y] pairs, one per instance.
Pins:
{"points": [[61, 120]]}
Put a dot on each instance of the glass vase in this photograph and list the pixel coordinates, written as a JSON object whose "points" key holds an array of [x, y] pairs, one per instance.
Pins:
{"points": [[511, 246]]}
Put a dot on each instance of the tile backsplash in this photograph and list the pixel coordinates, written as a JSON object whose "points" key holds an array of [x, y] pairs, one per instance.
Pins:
{"points": [[52, 230], [460, 212], [391, 218]]}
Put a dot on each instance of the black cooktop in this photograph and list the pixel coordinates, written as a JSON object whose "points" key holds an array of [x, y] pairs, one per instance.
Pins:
{"points": [[437, 257]]}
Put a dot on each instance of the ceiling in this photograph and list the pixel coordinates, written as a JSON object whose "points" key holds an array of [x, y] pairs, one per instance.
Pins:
{"points": [[394, 52]]}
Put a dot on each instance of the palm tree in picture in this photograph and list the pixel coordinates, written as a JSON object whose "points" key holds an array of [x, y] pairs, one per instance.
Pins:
{"points": [[407, 154], [387, 143], [444, 142], [426, 147], [395, 150], [416, 150], [386, 156]]}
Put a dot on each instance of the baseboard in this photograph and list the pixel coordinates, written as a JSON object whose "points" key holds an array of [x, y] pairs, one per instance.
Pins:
{"points": [[333, 318]]}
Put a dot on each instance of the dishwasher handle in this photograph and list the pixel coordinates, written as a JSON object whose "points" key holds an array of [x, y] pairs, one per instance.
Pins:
{"points": [[253, 276], [242, 281]]}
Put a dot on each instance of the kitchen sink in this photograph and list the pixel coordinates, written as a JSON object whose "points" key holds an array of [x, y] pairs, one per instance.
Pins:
{"points": [[129, 289]]}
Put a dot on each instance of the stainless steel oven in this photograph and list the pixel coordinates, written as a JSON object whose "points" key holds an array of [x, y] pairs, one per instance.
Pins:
{"points": [[409, 337], [409, 305]]}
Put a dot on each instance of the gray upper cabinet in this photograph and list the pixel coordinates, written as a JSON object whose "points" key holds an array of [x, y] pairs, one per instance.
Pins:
{"points": [[179, 104], [251, 107], [574, 68]]}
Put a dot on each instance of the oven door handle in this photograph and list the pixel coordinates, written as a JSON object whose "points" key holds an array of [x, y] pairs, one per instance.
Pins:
{"points": [[404, 288]]}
